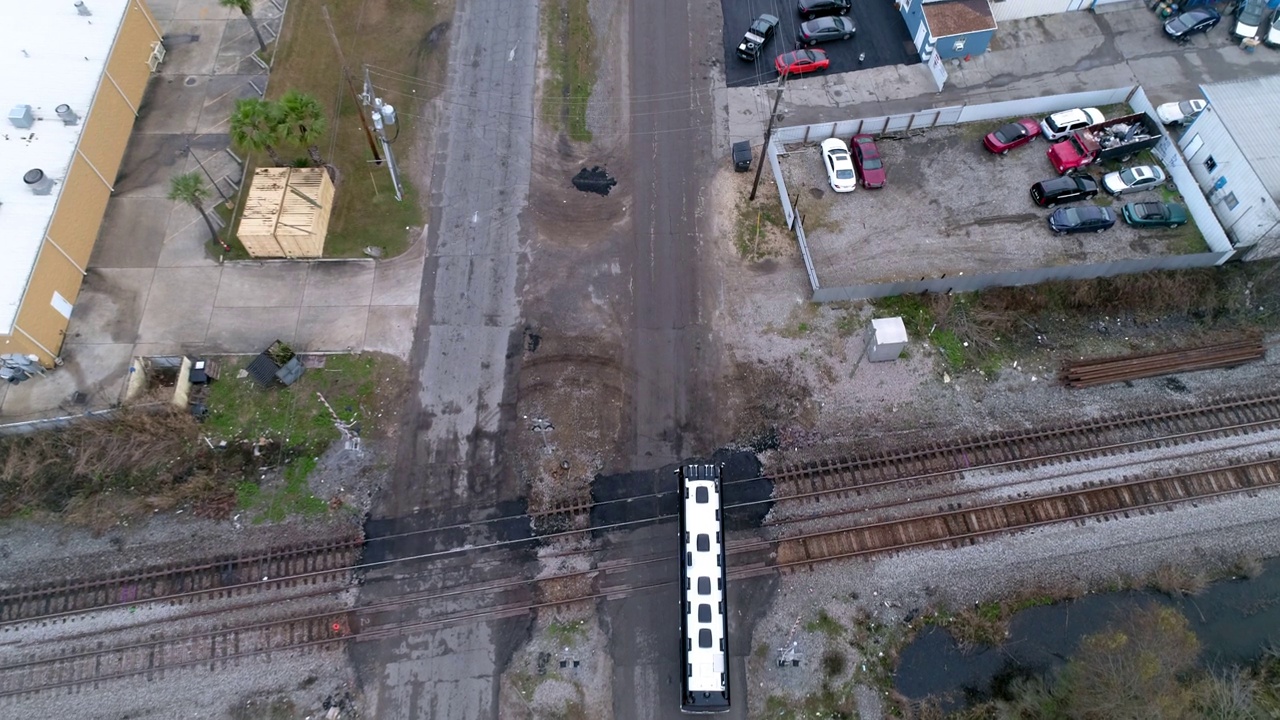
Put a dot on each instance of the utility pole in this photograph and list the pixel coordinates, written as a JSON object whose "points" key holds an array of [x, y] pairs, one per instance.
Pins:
{"points": [[383, 116], [324, 10], [768, 133]]}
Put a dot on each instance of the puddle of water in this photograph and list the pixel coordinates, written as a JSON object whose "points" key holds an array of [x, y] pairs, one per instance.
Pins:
{"points": [[1233, 619]]}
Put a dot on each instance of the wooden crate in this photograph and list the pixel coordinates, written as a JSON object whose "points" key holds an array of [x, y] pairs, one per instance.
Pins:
{"points": [[286, 213]]}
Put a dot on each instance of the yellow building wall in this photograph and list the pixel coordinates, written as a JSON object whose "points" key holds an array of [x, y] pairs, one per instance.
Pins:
{"points": [[82, 202]]}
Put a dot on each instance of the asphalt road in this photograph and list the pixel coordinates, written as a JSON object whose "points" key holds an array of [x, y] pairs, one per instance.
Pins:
{"points": [[881, 35], [449, 459]]}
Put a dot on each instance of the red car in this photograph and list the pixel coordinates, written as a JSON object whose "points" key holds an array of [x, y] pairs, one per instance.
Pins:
{"points": [[799, 62], [866, 160], [1008, 137]]}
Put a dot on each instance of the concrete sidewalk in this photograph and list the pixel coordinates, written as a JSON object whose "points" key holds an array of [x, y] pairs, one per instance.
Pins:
{"points": [[1033, 57], [152, 287]]}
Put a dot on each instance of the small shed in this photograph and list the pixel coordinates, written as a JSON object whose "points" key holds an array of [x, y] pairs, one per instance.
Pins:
{"points": [[286, 213]]}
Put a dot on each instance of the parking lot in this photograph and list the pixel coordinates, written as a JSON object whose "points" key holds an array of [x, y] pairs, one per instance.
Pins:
{"points": [[950, 208], [881, 36]]}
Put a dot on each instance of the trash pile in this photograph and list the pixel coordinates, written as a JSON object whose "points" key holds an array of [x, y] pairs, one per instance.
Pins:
{"points": [[15, 368], [1121, 134]]}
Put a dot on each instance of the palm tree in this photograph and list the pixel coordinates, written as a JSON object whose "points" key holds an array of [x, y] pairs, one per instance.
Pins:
{"points": [[189, 188], [246, 7], [303, 122], [255, 125]]}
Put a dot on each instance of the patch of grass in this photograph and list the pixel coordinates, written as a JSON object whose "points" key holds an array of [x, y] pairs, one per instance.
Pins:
{"points": [[825, 624], [828, 704], [293, 497], [365, 211], [1247, 566], [833, 663], [914, 310], [567, 634], [571, 60], [293, 416], [753, 223], [1187, 240]]}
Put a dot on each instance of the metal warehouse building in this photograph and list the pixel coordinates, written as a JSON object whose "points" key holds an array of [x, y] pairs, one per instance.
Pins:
{"points": [[72, 77], [1233, 150]]}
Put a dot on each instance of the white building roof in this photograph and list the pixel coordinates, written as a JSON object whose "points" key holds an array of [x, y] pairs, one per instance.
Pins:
{"points": [[49, 55], [1250, 110]]}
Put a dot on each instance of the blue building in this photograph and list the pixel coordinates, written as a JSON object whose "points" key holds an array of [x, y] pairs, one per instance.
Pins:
{"points": [[951, 29]]}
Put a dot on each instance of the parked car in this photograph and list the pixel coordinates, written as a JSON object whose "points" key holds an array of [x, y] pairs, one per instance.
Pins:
{"points": [[1196, 20], [1273, 30], [756, 36], [867, 161], [1154, 214], [1083, 218], [1138, 177], [799, 62], [1181, 113], [839, 164], [1008, 137], [1065, 189], [817, 8], [1249, 17], [824, 29], [1061, 124]]}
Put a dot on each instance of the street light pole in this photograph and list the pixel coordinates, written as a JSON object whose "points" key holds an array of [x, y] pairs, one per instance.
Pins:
{"points": [[768, 133]]}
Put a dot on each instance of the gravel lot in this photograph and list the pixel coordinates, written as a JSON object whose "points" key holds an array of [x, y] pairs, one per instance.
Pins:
{"points": [[950, 207]]}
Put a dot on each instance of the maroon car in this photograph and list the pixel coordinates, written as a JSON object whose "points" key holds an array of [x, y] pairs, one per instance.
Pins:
{"points": [[866, 160], [1008, 137]]}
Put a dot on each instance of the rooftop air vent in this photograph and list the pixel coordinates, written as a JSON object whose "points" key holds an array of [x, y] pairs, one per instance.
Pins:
{"points": [[69, 116], [21, 116], [39, 183], [80, 8]]}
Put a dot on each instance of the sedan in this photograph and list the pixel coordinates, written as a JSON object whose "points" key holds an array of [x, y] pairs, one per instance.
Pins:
{"points": [[1154, 214], [1272, 37], [835, 156], [1180, 113], [824, 29], [1085, 218], [1140, 177], [1198, 20], [1065, 189], [867, 161], [1249, 17], [815, 8], [1008, 137], [799, 62]]}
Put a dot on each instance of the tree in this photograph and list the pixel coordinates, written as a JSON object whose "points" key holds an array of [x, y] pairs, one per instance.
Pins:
{"points": [[246, 7], [255, 125], [303, 122], [189, 188]]}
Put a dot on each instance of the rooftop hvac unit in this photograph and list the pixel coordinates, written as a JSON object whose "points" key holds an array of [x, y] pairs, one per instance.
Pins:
{"points": [[69, 116], [39, 183], [21, 116]]}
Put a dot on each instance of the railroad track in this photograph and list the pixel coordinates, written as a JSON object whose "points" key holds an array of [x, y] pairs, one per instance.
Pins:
{"points": [[90, 663], [1014, 450], [967, 525], [222, 576]]}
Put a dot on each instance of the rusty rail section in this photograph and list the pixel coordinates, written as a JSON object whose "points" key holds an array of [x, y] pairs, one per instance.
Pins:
{"points": [[1090, 373], [221, 576], [812, 481], [967, 525]]}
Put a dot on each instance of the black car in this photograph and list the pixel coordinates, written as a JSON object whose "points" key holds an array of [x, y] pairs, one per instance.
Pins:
{"points": [[1082, 218], [756, 36], [815, 8], [1198, 20], [824, 29], [1065, 189]]}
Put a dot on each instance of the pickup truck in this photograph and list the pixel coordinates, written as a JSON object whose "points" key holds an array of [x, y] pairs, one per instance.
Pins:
{"points": [[756, 36], [1116, 139]]}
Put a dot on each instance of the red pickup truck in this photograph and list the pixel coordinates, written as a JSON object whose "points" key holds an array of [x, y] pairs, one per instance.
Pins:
{"points": [[1117, 139]]}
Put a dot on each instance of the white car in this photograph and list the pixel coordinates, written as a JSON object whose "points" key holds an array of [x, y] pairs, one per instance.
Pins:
{"points": [[1273, 30], [1061, 124], [1249, 18], [839, 163], [1140, 177], [1180, 113]]}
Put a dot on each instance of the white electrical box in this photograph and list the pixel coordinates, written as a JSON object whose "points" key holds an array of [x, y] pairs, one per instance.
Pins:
{"points": [[886, 339]]}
